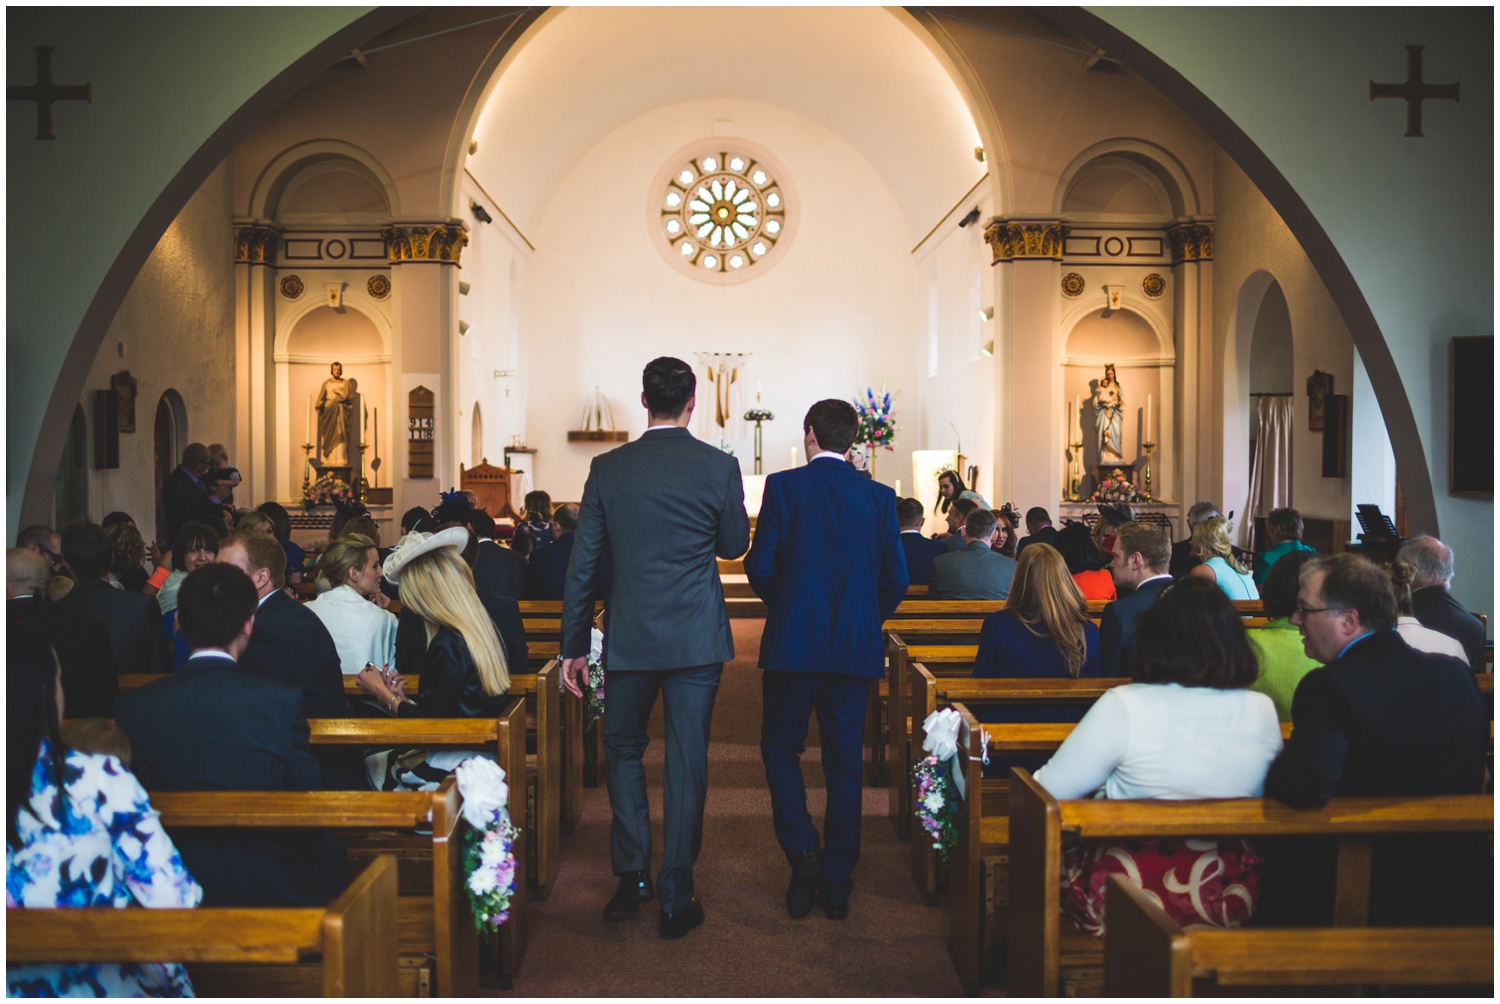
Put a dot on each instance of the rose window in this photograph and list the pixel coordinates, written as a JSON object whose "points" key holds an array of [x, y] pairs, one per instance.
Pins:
{"points": [[721, 211]]}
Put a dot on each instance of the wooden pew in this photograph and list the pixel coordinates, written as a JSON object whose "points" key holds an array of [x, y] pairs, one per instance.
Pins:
{"points": [[354, 937], [1148, 955], [1041, 945], [424, 830]]}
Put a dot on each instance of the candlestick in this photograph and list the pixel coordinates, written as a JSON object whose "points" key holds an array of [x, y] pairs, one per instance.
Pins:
{"points": [[1146, 487]]}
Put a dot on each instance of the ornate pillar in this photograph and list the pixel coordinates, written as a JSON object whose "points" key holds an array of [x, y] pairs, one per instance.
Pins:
{"points": [[1201, 476], [1028, 381], [424, 312], [255, 246]]}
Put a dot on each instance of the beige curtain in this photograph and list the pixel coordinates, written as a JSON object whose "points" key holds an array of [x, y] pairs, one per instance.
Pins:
{"points": [[1271, 467]]}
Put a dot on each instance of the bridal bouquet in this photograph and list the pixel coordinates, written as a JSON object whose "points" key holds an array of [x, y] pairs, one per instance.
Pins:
{"points": [[489, 845], [327, 490], [877, 420]]}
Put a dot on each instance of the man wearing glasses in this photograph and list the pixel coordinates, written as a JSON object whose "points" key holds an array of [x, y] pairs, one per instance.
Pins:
{"points": [[48, 543], [1378, 718]]}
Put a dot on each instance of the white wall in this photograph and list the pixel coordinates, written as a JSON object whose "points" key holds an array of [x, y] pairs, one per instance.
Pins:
{"points": [[1372, 464], [838, 314]]}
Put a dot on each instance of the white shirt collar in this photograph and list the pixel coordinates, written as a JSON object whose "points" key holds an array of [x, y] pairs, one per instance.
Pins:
{"points": [[262, 601], [664, 425], [830, 454], [1163, 575], [215, 653], [917, 531]]}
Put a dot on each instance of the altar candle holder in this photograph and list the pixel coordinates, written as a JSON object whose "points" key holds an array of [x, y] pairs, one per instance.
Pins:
{"points": [[1146, 487], [307, 449], [1075, 491]]}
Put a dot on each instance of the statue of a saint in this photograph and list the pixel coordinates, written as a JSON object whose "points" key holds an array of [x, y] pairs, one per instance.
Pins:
{"points": [[1109, 417], [335, 417]]}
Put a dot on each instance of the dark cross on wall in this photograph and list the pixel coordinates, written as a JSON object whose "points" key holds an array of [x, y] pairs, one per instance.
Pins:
{"points": [[1414, 91], [45, 92]]}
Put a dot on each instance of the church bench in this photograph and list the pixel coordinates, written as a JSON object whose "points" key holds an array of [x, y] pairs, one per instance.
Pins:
{"points": [[1148, 955], [1038, 823], [353, 938], [423, 830]]}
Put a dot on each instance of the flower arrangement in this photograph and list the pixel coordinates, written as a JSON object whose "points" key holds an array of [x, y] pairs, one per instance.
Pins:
{"points": [[877, 419], [593, 681], [489, 844], [327, 490], [1115, 488], [936, 799], [759, 415]]}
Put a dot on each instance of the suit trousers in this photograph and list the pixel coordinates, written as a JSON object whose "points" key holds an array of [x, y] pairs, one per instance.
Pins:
{"points": [[688, 704], [840, 702]]}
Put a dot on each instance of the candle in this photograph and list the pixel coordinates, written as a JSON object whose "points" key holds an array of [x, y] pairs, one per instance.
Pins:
{"points": [[309, 419], [794, 456], [1078, 416], [1148, 419], [898, 487]]}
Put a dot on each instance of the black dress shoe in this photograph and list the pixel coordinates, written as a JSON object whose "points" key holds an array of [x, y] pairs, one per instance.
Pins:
{"points": [[836, 911], [635, 889], [675, 925], [802, 893]]}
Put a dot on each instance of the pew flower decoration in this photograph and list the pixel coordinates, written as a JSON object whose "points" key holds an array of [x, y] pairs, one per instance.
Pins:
{"points": [[1115, 488], [489, 845], [327, 490], [593, 683], [937, 795], [877, 419]]}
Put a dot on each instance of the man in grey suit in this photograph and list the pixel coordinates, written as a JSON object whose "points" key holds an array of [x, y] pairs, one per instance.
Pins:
{"points": [[973, 572], [662, 508]]}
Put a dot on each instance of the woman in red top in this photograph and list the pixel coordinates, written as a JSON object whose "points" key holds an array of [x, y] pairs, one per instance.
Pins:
{"points": [[1088, 565]]}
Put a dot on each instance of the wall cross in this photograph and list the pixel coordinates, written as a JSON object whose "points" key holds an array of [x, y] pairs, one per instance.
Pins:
{"points": [[45, 92], [1414, 91]]}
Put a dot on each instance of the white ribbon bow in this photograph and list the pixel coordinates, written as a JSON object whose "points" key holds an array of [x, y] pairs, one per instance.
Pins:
{"points": [[481, 782], [596, 645], [942, 733]]}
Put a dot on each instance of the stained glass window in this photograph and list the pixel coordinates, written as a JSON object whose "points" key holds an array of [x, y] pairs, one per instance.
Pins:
{"points": [[723, 212]]}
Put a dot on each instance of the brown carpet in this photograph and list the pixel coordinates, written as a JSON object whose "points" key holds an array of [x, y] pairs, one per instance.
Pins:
{"points": [[891, 945]]}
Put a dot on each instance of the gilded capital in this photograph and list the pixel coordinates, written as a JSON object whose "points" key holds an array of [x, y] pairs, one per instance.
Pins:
{"points": [[1191, 242], [256, 244], [1012, 239], [439, 242]]}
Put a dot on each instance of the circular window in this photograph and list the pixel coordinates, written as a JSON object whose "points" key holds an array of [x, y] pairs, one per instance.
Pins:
{"points": [[721, 210]]}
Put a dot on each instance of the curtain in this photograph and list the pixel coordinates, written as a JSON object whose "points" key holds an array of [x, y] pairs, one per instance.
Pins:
{"points": [[1271, 467]]}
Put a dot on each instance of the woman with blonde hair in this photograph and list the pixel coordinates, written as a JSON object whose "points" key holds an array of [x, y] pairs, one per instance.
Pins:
{"points": [[255, 522], [363, 633], [1044, 629], [1211, 546], [1423, 639]]}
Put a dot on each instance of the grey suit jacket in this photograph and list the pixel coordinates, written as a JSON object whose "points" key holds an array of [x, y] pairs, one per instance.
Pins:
{"points": [[973, 572], [664, 506]]}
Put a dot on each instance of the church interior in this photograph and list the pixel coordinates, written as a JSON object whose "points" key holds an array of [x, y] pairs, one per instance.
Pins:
{"points": [[1188, 251]]}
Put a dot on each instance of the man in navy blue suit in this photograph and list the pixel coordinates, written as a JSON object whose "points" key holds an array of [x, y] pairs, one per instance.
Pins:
{"points": [[1143, 553], [828, 562], [919, 550]]}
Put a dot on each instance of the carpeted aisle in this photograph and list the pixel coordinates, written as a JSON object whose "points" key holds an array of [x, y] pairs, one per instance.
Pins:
{"points": [[890, 945]]}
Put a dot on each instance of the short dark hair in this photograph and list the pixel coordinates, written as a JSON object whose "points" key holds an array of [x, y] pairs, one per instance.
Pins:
{"points": [[213, 603], [566, 516], [37, 534], [1352, 583], [86, 549], [115, 518], [1278, 592], [1193, 636], [909, 512], [963, 506], [834, 423], [1078, 549], [979, 524], [413, 518], [1036, 514], [281, 520], [1286, 524], [669, 384], [452, 510], [482, 523], [264, 551], [191, 537]]}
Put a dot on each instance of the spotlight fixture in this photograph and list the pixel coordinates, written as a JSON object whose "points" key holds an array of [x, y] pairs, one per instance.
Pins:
{"points": [[989, 347], [463, 327], [463, 288], [480, 214], [987, 314], [971, 218]]}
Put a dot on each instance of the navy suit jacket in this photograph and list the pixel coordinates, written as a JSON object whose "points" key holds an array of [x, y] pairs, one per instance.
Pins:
{"points": [[920, 551], [827, 559], [1117, 626], [1046, 535], [547, 574]]}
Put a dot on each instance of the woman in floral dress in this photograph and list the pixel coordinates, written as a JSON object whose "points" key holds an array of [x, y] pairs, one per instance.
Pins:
{"points": [[80, 832]]}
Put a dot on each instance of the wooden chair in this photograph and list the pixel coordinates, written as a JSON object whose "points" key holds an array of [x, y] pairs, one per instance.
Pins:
{"points": [[1148, 955], [353, 940], [1042, 946]]}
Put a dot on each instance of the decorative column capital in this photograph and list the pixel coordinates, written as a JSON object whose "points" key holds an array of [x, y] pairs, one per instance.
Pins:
{"points": [[1191, 240], [255, 242], [1012, 239], [442, 242]]}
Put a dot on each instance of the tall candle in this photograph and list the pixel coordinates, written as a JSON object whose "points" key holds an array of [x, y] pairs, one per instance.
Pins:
{"points": [[1078, 416], [794, 456], [1148, 419], [309, 438], [898, 487]]}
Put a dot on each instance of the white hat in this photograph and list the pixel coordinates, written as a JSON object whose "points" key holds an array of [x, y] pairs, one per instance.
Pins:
{"points": [[413, 545]]}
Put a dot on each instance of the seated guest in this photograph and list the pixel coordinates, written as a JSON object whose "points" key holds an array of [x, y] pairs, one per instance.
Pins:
{"points": [[1423, 639], [116, 518], [81, 643], [281, 529], [96, 735], [1278, 646], [975, 572], [1379, 718], [137, 637], [1005, 531], [547, 571], [1186, 727], [1219, 565], [536, 521], [958, 512], [497, 570], [362, 632], [523, 544], [1111, 518], [209, 727], [46, 542], [80, 832], [1284, 528], [1183, 559], [362, 526], [1432, 603], [416, 519], [127, 557], [920, 550], [505, 613], [1088, 565], [195, 545], [1039, 529], [1139, 567], [255, 522]]}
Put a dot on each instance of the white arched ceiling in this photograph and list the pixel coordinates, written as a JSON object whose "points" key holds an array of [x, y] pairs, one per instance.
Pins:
{"points": [[859, 71]]}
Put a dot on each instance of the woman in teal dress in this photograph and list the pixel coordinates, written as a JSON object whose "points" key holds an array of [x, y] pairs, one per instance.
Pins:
{"points": [[1211, 546]]}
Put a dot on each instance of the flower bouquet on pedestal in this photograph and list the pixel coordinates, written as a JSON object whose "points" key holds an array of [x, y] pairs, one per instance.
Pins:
{"points": [[877, 419], [1116, 488], [327, 490]]}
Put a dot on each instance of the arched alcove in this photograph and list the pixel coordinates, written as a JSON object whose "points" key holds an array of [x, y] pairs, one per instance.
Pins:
{"points": [[70, 493], [1117, 187], [169, 433], [1271, 345], [325, 181], [317, 339]]}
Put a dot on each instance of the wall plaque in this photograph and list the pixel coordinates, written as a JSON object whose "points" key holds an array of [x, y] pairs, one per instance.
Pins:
{"points": [[419, 423]]}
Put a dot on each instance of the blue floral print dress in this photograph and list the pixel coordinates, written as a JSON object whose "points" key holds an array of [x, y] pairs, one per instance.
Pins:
{"points": [[109, 849]]}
